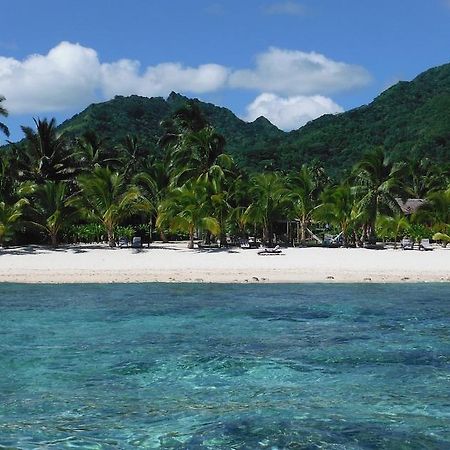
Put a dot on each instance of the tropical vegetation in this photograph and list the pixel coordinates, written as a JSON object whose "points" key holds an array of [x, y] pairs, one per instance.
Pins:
{"points": [[57, 187]]}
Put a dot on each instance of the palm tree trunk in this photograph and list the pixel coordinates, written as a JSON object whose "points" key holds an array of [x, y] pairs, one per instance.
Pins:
{"points": [[344, 236], [270, 230], [54, 239], [111, 241], [303, 230], [191, 238]]}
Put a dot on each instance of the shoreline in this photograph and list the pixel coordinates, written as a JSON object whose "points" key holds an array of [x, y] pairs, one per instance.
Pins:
{"points": [[174, 263]]}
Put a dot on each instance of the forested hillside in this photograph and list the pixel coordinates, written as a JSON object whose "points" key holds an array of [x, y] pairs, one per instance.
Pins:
{"points": [[410, 119]]}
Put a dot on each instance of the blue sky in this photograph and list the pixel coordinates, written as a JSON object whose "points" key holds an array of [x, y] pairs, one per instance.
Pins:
{"points": [[289, 60]]}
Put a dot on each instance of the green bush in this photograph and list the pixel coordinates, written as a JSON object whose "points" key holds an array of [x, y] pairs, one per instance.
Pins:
{"points": [[126, 232], [86, 233]]}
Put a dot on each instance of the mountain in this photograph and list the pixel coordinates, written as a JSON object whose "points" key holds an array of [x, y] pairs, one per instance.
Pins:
{"points": [[141, 116], [410, 119]]}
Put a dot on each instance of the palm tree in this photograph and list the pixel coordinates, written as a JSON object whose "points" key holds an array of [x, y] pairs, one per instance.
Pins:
{"points": [[392, 226], [424, 177], [194, 146], [10, 213], [338, 208], [12, 200], [106, 198], [4, 113], [46, 154], [185, 119], [377, 185], [89, 151], [187, 209], [198, 153], [153, 181], [435, 212], [270, 199], [239, 200], [131, 156], [305, 191], [51, 209]]}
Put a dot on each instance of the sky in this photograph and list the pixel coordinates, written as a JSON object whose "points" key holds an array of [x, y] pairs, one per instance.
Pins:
{"points": [[289, 60]]}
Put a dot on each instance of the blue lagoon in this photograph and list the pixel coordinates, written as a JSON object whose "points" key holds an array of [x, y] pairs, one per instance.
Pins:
{"points": [[207, 366]]}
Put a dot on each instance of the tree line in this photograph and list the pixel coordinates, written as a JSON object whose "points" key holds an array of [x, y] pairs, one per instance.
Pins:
{"points": [[57, 189]]}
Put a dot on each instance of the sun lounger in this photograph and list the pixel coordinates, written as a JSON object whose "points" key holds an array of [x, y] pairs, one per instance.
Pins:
{"points": [[246, 244], [136, 242], [407, 244], [207, 246], [425, 245], [123, 242], [270, 251]]}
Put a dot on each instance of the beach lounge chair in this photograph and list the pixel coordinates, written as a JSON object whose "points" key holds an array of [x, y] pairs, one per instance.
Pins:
{"points": [[331, 241], [407, 244], [270, 251], [244, 244], [207, 246], [136, 242], [425, 245], [123, 242]]}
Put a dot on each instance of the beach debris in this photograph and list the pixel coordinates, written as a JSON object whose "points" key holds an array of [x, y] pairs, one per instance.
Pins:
{"points": [[330, 277], [255, 278], [367, 279], [405, 278]]}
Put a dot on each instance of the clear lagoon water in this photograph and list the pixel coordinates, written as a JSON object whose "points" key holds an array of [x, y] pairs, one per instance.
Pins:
{"points": [[188, 366]]}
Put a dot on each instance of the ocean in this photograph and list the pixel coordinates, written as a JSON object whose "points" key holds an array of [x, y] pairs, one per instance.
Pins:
{"points": [[217, 366]]}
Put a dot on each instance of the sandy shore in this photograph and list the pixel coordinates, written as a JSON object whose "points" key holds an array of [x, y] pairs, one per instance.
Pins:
{"points": [[175, 263]]}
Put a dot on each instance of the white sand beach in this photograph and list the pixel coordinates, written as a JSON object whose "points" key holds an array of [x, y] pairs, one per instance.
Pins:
{"points": [[175, 263]]}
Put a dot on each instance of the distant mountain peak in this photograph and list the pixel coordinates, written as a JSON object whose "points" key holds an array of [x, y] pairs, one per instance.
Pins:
{"points": [[261, 120]]}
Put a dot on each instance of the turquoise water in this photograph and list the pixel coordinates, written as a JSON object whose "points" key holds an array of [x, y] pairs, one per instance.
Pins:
{"points": [[184, 366]]}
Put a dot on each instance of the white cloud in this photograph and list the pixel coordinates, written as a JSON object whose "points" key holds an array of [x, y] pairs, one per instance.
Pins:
{"points": [[71, 76], [289, 8], [66, 76], [291, 112], [290, 72], [123, 77]]}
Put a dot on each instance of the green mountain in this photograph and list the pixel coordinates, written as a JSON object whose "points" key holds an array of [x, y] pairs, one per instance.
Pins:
{"points": [[410, 119], [141, 116]]}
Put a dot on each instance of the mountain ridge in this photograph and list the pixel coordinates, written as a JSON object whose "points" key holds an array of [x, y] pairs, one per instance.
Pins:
{"points": [[411, 119]]}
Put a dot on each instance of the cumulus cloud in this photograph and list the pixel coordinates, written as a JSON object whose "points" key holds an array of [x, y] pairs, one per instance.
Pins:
{"points": [[124, 77], [289, 8], [291, 112], [290, 72], [71, 75], [67, 75]]}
